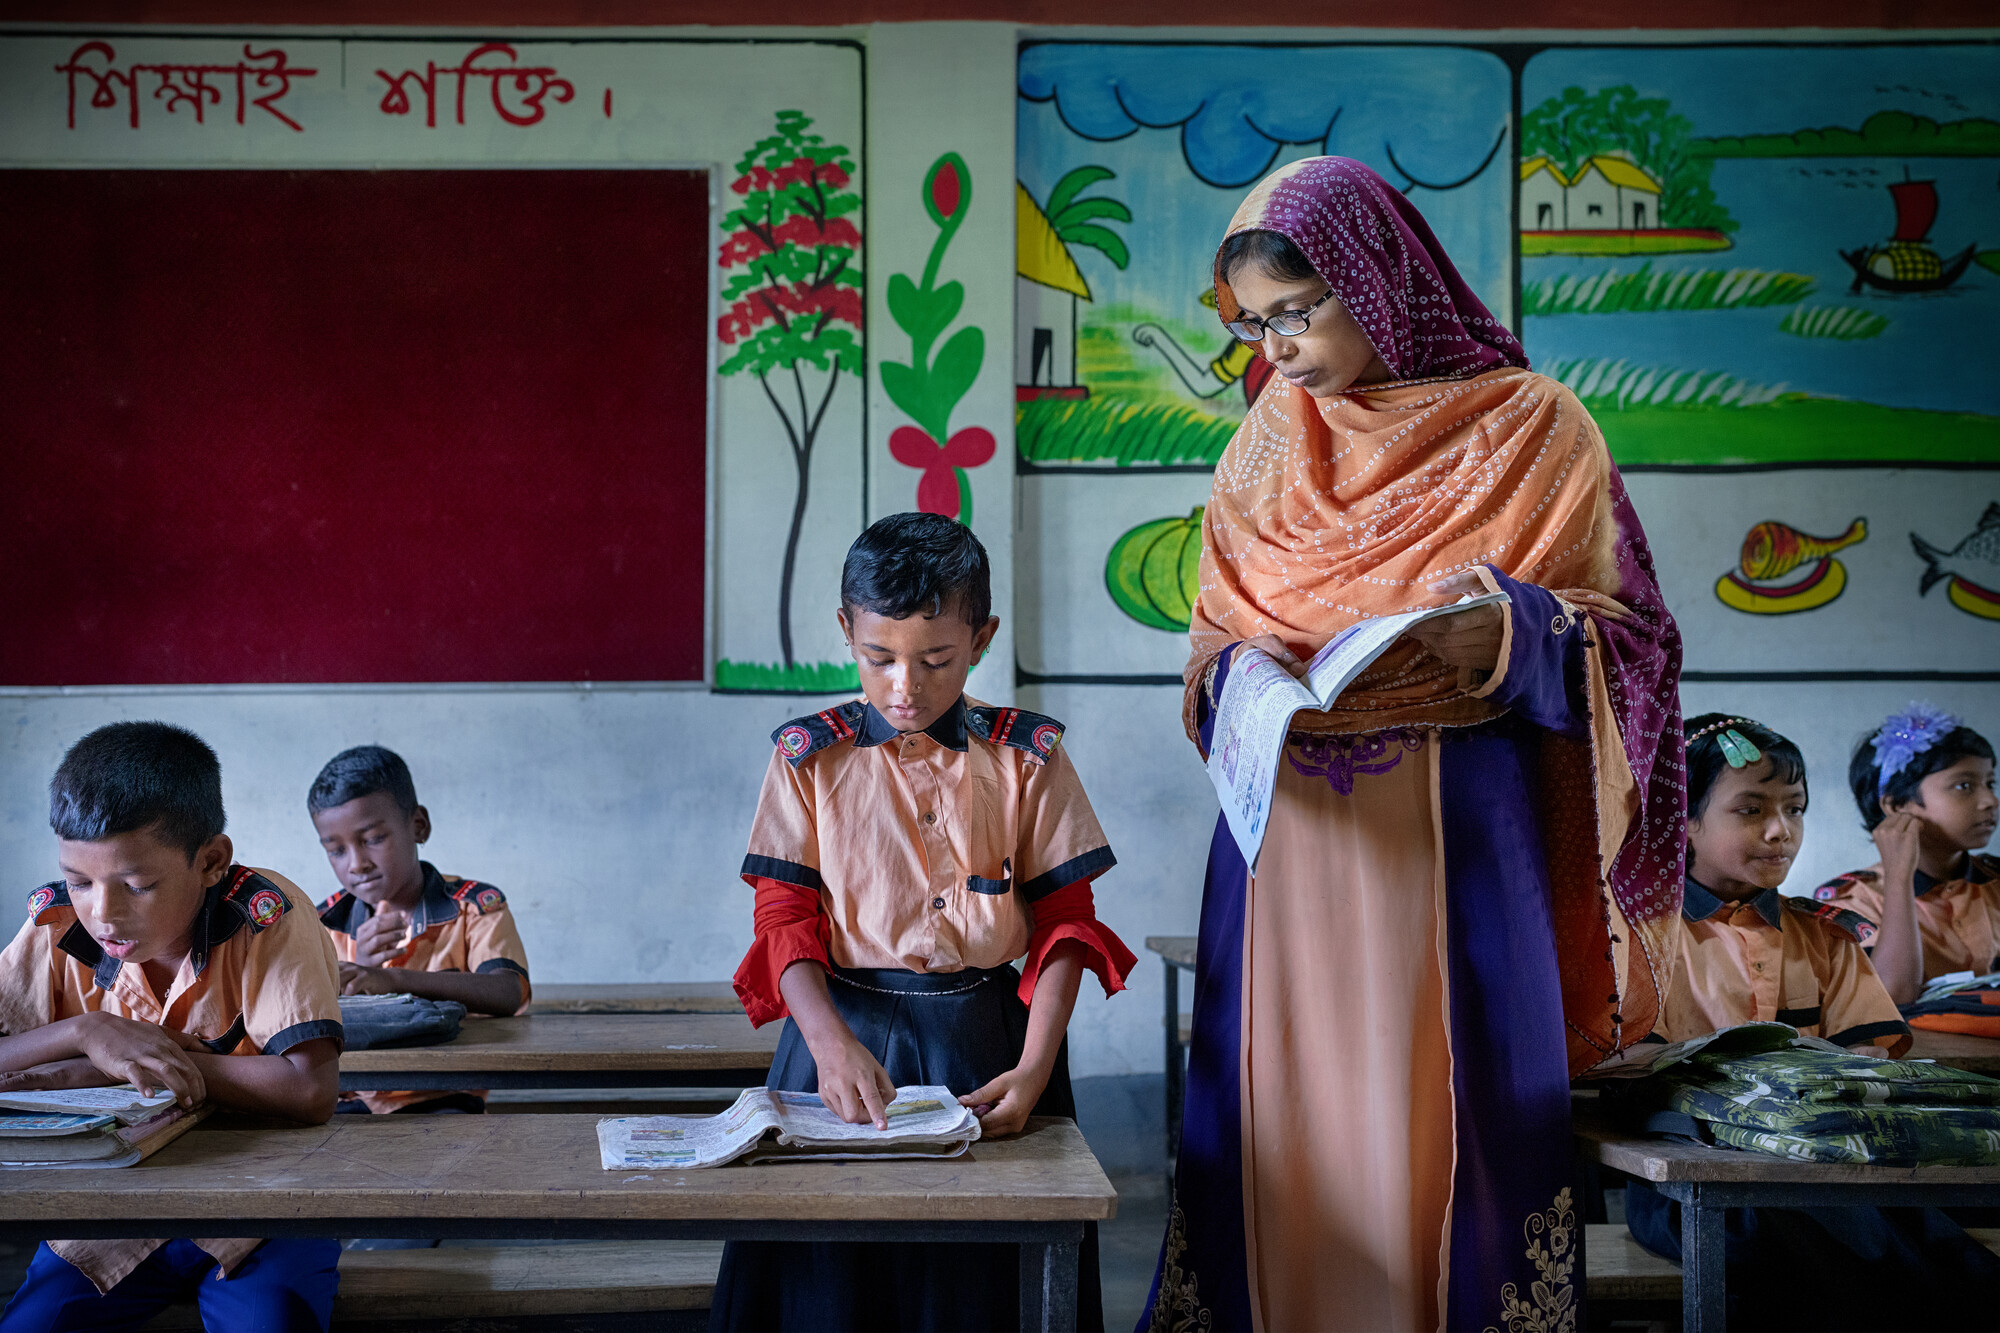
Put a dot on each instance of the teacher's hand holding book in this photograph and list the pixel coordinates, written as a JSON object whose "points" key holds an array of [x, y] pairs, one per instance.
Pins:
{"points": [[1469, 640]]}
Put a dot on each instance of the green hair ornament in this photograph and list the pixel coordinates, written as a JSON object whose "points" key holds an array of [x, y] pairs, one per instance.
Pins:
{"points": [[1736, 747]]}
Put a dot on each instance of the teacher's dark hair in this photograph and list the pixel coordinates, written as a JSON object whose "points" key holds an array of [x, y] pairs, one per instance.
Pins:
{"points": [[1269, 251], [918, 564]]}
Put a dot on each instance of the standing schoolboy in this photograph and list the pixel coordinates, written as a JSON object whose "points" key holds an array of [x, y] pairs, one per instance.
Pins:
{"points": [[1747, 953], [907, 849], [156, 960], [399, 926], [1924, 783]]}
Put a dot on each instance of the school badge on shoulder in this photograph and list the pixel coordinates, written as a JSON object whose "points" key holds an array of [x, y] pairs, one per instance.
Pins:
{"points": [[266, 906], [488, 899], [39, 900], [1045, 739], [794, 741]]}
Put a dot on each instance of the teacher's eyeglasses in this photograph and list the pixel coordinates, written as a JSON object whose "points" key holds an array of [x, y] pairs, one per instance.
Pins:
{"points": [[1286, 323]]}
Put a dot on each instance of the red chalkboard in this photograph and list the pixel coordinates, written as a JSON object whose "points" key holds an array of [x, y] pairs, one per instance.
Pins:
{"points": [[325, 426]]}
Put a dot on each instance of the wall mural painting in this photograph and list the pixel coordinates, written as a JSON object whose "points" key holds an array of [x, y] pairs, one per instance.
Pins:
{"points": [[1730, 268], [792, 312], [1972, 566], [1783, 570], [1131, 159], [927, 388]]}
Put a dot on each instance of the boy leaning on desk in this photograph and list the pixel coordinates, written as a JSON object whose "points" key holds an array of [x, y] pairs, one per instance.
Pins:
{"points": [[156, 960], [399, 926]]}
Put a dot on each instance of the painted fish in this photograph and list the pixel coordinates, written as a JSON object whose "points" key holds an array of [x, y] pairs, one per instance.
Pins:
{"points": [[1981, 547]]}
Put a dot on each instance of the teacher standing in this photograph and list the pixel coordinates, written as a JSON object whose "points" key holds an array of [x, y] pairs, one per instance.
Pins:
{"points": [[1474, 857]]}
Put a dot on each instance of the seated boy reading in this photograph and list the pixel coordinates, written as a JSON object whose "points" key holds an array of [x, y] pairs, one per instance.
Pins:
{"points": [[908, 848], [156, 960], [398, 925], [1747, 953]]}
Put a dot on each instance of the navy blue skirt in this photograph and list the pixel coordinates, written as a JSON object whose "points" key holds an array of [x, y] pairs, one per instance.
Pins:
{"points": [[957, 1029]]}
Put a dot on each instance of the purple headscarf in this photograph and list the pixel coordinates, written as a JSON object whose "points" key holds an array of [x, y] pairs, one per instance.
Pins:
{"points": [[1377, 253]]}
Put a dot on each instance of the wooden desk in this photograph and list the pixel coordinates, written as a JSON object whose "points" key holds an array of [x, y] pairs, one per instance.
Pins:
{"points": [[671, 997], [584, 1051], [1980, 1055], [521, 1176], [1705, 1181]]}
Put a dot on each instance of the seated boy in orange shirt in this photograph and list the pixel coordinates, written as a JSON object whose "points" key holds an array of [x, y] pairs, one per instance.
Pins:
{"points": [[398, 925], [156, 960]]}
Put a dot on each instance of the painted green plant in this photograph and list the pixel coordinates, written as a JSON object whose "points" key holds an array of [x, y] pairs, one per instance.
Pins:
{"points": [[1843, 322], [929, 386], [1079, 221], [777, 678], [1128, 434], [1609, 292]]}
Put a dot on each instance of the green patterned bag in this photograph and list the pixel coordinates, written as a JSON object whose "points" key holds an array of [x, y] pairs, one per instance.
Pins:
{"points": [[1765, 1088]]}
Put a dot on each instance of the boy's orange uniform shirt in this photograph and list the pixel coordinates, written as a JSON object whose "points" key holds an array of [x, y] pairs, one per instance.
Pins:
{"points": [[260, 980], [459, 925], [1775, 959], [1958, 919], [966, 845]]}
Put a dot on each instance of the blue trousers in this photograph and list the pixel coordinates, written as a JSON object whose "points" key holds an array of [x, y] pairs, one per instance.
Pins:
{"points": [[284, 1286]]}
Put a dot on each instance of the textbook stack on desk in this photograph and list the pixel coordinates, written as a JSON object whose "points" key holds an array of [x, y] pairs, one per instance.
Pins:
{"points": [[89, 1126], [767, 1125]]}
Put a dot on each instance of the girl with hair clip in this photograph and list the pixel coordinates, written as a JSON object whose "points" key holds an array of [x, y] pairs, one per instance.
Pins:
{"points": [[1746, 953], [1473, 859], [1924, 784]]}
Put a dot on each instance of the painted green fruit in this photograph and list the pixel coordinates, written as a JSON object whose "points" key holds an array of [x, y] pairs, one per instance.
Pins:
{"points": [[1154, 571]]}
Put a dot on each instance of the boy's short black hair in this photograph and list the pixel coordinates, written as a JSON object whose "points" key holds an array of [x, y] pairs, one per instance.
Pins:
{"points": [[1706, 760], [137, 775], [918, 564], [363, 771], [1864, 772], [1268, 250]]}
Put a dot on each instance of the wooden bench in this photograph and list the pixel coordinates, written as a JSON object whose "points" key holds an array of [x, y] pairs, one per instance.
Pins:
{"points": [[1621, 1269], [666, 997], [664, 1050]]}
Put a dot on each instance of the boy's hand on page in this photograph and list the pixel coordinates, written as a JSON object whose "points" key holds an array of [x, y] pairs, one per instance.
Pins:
{"points": [[1898, 840], [1008, 1101], [854, 1085], [1470, 639], [1275, 646], [358, 979], [150, 1058], [380, 937], [55, 1076]]}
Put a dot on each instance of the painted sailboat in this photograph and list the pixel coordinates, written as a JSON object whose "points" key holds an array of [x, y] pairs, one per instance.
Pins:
{"points": [[1906, 262]]}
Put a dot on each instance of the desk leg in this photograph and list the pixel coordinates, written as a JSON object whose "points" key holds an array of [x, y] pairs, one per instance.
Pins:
{"points": [[1048, 1286], [1176, 1068], [1704, 1293]]}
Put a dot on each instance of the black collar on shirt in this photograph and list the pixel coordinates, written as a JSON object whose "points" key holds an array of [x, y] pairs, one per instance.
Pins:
{"points": [[1974, 874], [948, 730], [1698, 904], [435, 907]]}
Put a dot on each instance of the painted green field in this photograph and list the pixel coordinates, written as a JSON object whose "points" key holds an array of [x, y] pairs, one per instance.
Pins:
{"points": [[1794, 428], [1110, 430], [774, 678]]}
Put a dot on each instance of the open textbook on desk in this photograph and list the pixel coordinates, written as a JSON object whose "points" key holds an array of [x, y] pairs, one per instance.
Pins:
{"points": [[766, 1125], [76, 1127], [1261, 698]]}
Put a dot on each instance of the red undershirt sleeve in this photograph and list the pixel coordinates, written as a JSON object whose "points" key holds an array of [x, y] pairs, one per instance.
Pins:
{"points": [[1070, 913], [789, 926]]}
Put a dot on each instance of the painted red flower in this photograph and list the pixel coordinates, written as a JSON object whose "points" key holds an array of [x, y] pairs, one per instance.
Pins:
{"points": [[945, 190], [939, 489]]}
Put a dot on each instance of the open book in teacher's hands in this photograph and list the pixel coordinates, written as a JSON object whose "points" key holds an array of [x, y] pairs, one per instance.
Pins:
{"points": [[769, 1125], [1261, 697]]}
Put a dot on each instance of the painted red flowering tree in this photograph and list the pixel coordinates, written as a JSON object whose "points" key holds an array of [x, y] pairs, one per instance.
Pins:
{"points": [[793, 301]]}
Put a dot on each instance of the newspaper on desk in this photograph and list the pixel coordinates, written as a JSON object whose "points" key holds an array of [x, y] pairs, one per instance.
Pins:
{"points": [[766, 1125], [1261, 698]]}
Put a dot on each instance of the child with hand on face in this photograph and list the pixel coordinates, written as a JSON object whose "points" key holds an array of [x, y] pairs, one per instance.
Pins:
{"points": [[1924, 784], [398, 925], [1747, 953], [908, 848], [159, 961]]}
